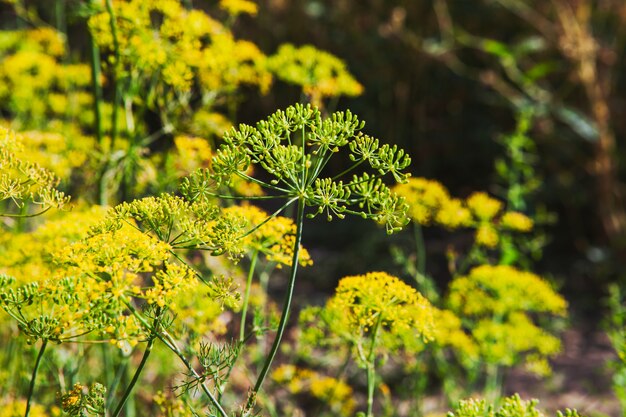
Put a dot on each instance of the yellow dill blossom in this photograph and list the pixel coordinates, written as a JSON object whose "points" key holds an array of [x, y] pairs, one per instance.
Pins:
{"points": [[22, 181], [274, 238], [482, 206], [496, 304], [486, 235], [48, 39], [516, 221], [193, 153], [81, 400], [425, 198], [33, 78], [378, 297], [207, 123], [56, 152], [237, 7], [453, 214], [37, 263], [501, 290], [449, 332], [184, 45], [504, 343], [319, 73], [17, 407], [171, 406], [170, 282], [336, 394]]}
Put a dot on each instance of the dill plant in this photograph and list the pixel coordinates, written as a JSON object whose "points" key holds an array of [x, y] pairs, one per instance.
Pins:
{"points": [[293, 147], [374, 315]]}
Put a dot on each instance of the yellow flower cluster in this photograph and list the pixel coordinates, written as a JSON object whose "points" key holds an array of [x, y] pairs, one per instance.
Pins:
{"points": [[23, 181], [237, 7], [181, 45], [35, 84], [497, 304], [193, 153], [449, 332], [375, 305], [501, 290], [319, 73], [378, 297], [37, 263], [274, 238], [430, 203], [55, 152], [171, 406], [426, 199], [16, 407], [335, 393]]}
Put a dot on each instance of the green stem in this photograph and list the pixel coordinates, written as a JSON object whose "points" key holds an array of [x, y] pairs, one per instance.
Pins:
{"points": [[121, 370], [114, 80], [31, 387], [492, 384], [419, 246], [169, 342], [246, 296], [96, 87], [287, 305], [371, 368], [102, 186], [133, 382]]}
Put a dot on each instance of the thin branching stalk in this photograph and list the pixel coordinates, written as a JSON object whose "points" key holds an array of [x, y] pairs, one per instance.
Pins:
{"points": [[96, 88], [31, 387], [102, 191], [288, 298], [371, 368], [168, 341], [133, 381], [246, 296]]}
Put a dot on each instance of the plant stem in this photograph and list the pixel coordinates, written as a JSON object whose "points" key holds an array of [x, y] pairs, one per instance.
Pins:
{"points": [[33, 377], [96, 87], [246, 296], [287, 305], [169, 342], [419, 246], [132, 383], [371, 368], [102, 186]]}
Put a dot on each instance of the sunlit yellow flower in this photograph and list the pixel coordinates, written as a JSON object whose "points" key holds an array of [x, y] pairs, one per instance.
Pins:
{"points": [[275, 238], [237, 7], [319, 73], [516, 221], [335, 393], [487, 236], [483, 206], [425, 198], [496, 304]]}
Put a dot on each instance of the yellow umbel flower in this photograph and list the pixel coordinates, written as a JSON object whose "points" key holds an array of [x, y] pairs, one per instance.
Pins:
{"points": [[501, 290], [487, 235], [319, 73], [338, 395], [23, 181], [425, 199], [237, 7], [517, 221], [193, 153], [496, 304], [274, 238], [453, 214], [483, 206], [380, 297]]}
